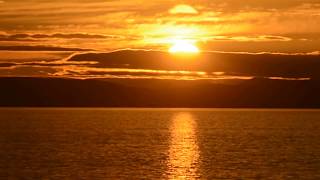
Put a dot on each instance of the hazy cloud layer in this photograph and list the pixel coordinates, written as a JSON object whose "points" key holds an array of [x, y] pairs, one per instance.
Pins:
{"points": [[113, 25], [162, 65]]}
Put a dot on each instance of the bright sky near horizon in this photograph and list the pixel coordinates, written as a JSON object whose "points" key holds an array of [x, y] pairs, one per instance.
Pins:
{"points": [[219, 25]]}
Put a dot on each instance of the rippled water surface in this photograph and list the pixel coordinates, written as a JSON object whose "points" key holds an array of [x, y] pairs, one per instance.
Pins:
{"points": [[159, 144]]}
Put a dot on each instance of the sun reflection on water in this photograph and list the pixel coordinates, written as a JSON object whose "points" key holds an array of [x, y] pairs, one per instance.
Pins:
{"points": [[183, 158]]}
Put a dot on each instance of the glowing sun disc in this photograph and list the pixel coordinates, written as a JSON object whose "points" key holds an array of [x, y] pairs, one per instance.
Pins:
{"points": [[184, 47]]}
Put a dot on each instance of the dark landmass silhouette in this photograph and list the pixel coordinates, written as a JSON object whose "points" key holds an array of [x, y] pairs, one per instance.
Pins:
{"points": [[255, 93]]}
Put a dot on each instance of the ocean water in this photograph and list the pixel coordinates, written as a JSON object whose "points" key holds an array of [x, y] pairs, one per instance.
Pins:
{"points": [[70, 143]]}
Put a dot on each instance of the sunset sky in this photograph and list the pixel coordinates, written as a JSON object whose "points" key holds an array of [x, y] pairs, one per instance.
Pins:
{"points": [[45, 31]]}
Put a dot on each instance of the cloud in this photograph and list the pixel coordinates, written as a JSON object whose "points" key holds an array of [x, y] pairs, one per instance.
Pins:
{"points": [[34, 37], [74, 41], [251, 44], [64, 36], [239, 64], [40, 48], [260, 38], [7, 65], [288, 79], [162, 65]]}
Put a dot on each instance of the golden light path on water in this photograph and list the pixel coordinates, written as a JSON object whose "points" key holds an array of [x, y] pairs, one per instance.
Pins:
{"points": [[183, 161]]}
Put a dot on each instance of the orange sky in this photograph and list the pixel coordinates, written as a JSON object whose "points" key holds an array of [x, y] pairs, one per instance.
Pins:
{"points": [[219, 25], [277, 39]]}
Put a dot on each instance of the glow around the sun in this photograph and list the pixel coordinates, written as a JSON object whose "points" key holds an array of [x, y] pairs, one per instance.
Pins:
{"points": [[184, 47]]}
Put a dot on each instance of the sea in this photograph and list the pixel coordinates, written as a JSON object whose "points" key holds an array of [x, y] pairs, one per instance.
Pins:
{"points": [[127, 143]]}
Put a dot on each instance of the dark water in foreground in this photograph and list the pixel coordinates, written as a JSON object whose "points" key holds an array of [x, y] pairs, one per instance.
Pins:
{"points": [[159, 144]]}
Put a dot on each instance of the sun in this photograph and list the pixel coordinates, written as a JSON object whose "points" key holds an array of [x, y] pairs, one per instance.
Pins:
{"points": [[183, 9], [184, 47]]}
